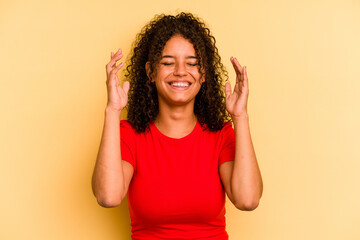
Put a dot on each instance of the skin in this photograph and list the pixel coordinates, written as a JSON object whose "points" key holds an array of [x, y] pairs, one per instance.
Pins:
{"points": [[112, 176], [241, 178], [176, 104]]}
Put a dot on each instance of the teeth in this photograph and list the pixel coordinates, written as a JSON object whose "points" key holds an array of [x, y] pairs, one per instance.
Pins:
{"points": [[180, 84]]}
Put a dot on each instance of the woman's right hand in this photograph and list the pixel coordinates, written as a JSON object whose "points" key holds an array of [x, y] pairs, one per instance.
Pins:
{"points": [[117, 95]]}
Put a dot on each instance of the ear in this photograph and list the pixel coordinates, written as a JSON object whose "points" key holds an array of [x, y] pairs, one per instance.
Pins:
{"points": [[147, 68]]}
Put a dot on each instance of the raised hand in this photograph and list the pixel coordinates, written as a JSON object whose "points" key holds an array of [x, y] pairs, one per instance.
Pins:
{"points": [[236, 102], [117, 95]]}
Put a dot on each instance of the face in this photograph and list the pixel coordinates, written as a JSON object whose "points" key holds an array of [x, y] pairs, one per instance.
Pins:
{"points": [[178, 78]]}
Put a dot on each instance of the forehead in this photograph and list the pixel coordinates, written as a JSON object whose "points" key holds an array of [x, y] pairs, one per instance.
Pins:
{"points": [[178, 46]]}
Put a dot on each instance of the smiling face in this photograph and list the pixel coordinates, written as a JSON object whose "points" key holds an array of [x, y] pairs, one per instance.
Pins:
{"points": [[177, 77]]}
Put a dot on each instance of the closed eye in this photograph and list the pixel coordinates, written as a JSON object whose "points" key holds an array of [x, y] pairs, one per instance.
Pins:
{"points": [[167, 64]]}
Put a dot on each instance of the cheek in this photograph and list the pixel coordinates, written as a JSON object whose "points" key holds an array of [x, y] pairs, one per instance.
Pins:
{"points": [[164, 72], [197, 76]]}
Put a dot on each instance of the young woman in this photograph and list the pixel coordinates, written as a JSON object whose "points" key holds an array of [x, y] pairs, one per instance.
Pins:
{"points": [[177, 154]]}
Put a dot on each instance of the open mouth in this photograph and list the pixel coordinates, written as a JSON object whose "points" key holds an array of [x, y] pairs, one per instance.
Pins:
{"points": [[180, 84]]}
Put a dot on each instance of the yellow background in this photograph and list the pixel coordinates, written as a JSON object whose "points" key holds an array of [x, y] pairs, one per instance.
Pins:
{"points": [[304, 78]]}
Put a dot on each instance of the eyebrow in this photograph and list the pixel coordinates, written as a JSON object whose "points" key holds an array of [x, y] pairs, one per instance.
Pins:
{"points": [[169, 56]]}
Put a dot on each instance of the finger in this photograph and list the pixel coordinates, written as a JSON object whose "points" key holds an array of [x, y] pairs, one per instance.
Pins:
{"points": [[113, 67], [115, 70], [242, 72], [124, 90], [232, 59], [108, 69], [114, 58], [126, 87], [118, 52], [236, 63], [237, 87], [113, 74], [237, 70], [238, 66], [227, 89], [246, 81]]}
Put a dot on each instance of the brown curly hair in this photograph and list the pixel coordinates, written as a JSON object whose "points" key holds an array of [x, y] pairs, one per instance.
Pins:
{"points": [[143, 104]]}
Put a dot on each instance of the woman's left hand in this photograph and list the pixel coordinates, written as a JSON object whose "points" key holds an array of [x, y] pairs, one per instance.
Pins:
{"points": [[236, 102]]}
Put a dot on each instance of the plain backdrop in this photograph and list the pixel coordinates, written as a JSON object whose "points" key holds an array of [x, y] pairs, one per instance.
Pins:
{"points": [[304, 80]]}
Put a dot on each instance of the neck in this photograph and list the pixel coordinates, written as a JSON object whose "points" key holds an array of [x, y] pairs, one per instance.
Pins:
{"points": [[176, 122]]}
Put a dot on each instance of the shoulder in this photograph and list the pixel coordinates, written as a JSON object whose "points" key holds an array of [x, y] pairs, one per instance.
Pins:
{"points": [[226, 126], [125, 124], [126, 128], [226, 133], [227, 129]]}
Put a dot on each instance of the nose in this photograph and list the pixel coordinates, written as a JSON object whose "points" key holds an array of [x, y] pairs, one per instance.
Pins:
{"points": [[180, 69]]}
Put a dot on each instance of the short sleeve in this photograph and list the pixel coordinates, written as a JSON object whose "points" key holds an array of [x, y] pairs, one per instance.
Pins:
{"points": [[127, 142], [227, 152]]}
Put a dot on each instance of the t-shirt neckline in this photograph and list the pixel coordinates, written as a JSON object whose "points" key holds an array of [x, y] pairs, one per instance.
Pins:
{"points": [[157, 131]]}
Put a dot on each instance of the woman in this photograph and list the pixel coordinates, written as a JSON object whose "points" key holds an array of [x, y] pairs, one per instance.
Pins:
{"points": [[177, 154]]}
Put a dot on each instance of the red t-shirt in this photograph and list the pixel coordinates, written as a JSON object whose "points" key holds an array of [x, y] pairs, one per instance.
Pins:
{"points": [[176, 191]]}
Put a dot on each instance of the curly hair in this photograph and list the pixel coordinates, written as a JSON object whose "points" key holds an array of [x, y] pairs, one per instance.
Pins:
{"points": [[143, 106]]}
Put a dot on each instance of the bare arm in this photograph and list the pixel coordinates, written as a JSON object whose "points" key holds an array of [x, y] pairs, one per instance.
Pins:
{"points": [[246, 179], [241, 177], [111, 176]]}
